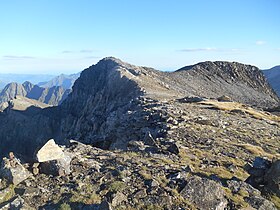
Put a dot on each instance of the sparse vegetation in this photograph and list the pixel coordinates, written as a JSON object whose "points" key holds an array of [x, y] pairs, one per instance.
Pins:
{"points": [[64, 206]]}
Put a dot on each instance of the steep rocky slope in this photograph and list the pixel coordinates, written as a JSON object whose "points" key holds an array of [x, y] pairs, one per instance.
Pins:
{"points": [[243, 83], [164, 146], [273, 77], [63, 80]]}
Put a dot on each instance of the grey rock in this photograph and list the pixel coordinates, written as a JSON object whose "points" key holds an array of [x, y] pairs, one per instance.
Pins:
{"points": [[59, 167], [224, 98], [191, 99], [50, 151], [236, 186], [204, 193], [13, 171], [260, 203]]}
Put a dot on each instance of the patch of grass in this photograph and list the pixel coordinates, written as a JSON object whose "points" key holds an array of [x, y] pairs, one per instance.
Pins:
{"points": [[91, 198], [237, 199], [163, 181], [229, 106], [178, 200], [276, 200], [255, 150], [64, 206], [116, 186], [145, 175], [7, 193]]}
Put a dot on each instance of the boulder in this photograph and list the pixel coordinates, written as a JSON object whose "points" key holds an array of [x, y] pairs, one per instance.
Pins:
{"points": [[204, 193], [53, 160], [13, 171], [50, 151], [224, 98], [59, 167], [191, 99]]}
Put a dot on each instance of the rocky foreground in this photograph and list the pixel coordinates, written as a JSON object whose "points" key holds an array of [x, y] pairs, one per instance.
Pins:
{"points": [[141, 142], [216, 155]]}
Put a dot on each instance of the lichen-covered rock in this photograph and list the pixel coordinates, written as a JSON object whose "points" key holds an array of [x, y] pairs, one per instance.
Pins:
{"points": [[204, 193], [13, 171], [16, 203], [260, 203]]}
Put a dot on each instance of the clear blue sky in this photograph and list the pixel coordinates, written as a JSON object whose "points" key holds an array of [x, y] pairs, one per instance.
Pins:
{"points": [[54, 36]]}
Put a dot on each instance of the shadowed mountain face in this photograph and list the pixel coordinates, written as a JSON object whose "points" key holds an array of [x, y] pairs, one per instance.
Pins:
{"points": [[110, 103], [53, 96], [273, 77]]}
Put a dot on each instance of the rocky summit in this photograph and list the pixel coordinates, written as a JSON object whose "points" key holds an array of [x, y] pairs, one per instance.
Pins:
{"points": [[137, 138]]}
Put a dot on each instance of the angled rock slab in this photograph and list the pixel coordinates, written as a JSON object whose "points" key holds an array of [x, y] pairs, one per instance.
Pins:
{"points": [[53, 160], [50, 151]]}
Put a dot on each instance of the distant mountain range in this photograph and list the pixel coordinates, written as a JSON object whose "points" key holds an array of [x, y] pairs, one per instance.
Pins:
{"points": [[21, 78], [52, 96], [46, 81], [273, 77], [63, 80]]}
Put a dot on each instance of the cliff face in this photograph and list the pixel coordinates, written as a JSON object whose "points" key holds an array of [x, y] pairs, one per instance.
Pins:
{"points": [[111, 103]]}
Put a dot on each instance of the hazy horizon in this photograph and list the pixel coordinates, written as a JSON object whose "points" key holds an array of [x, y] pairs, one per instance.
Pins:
{"points": [[54, 37]]}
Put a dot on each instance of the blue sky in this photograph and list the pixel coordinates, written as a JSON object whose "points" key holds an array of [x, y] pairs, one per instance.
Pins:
{"points": [[55, 36]]}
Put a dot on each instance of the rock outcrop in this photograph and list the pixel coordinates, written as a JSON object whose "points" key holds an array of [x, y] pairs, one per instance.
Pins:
{"points": [[13, 171]]}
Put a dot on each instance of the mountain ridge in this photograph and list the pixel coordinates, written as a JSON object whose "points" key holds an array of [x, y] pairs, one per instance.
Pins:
{"points": [[93, 111]]}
